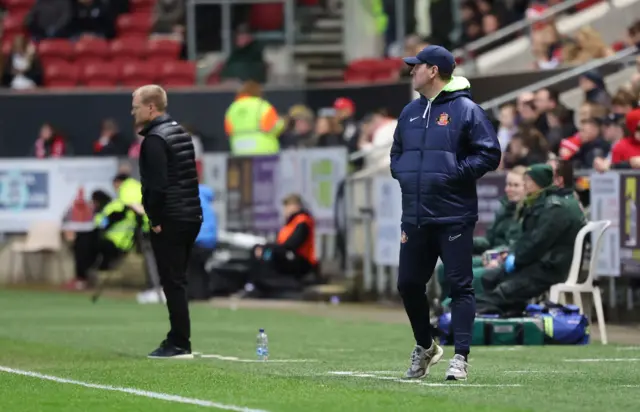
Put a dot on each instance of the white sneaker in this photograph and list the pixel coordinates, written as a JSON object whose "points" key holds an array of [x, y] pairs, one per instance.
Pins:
{"points": [[422, 359], [457, 369]]}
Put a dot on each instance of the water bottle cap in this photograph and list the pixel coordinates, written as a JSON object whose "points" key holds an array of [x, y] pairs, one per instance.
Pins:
{"points": [[261, 330]]}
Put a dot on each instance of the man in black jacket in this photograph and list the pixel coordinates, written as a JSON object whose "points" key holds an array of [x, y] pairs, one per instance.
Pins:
{"points": [[170, 198]]}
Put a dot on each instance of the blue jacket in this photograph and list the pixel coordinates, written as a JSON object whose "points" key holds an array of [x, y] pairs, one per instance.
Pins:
{"points": [[208, 235], [440, 148]]}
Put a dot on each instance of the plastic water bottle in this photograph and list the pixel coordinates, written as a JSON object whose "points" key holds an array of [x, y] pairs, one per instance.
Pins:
{"points": [[262, 346]]}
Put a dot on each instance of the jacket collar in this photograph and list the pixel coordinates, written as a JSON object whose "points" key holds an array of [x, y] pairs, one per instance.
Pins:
{"points": [[165, 118]]}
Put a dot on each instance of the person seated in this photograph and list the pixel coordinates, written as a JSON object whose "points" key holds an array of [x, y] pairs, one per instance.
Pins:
{"points": [[541, 257], [502, 233], [203, 247], [281, 266], [113, 236]]}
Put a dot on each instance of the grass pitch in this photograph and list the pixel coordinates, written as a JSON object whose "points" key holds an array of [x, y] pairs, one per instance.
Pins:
{"points": [[58, 352]]}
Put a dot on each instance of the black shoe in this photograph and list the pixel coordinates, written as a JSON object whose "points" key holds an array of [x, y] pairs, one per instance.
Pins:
{"points": [[170, 351]]}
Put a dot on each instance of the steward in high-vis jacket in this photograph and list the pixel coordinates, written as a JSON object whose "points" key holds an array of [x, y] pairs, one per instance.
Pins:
{"points": [[280, 266], [129, 191], [113, 237], [171, 201], [442, 145], [542, 256]]}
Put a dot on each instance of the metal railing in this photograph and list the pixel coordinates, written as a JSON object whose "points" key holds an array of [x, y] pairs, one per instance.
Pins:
{"points": [[466, 52], [226, 19], [494, 104]]}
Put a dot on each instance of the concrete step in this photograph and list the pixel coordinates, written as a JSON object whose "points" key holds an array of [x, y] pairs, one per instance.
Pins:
{"points": [[316, 37], [329, 60], [306, 49], [324, 75]]}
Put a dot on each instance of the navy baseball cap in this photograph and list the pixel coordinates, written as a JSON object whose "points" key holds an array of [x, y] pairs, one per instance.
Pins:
{"points": [[434, 56]]}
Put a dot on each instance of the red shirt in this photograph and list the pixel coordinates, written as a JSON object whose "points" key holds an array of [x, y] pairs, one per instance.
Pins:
{"points": [[624, 150]]}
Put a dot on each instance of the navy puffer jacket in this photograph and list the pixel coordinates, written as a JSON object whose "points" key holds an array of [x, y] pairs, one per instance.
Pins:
{"points": [[441, 147]]}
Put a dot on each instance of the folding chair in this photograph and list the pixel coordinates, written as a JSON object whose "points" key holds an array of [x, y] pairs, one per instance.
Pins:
{"points": [[43, 237], [572, 286]]}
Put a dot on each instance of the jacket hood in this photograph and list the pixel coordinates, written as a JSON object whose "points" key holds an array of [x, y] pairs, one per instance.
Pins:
{"points": [[206, 193], [632, 119], [458, 86]]}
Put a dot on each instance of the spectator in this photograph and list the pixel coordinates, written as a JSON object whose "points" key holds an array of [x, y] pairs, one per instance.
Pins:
{"points": [[545, 101], [623, 102], [626, 152], [50, 19], [523, 106], [595, 91], [22, 68], [507, 127], [588, 45], [527, 147], [592, 144], [168, 18], [559, 126], [110, 141], [528, 113], [633, 33], [543, 52], [50, 143], [328, 132], [378, 130], [299, 131], [246, 61], [345, 113], [490, 23], [93, 18]]}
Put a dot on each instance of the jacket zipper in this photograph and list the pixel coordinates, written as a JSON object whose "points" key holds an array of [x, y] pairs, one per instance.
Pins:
{"points": [[427, 114]]}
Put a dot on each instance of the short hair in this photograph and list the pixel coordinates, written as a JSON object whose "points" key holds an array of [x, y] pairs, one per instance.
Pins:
{"points": [[292, 199], [445, 76], [518, 170], [153, 94], [250, 88], [622, 98], [120, 177]]}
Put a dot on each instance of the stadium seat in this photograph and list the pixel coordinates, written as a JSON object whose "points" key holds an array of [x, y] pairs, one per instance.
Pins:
{"points": [[266, 17], [144, 6], [104, 74], [178, 73], [124, 49], [7, 44], [163, 49], [19, 6], [55, 50], [60, 75], [357, 77], [91, 49], [12, 24], [136, 74], [134, 24]]}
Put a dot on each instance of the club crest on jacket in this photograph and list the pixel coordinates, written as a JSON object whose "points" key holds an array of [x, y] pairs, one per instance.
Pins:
{"points": [[443, 119]]}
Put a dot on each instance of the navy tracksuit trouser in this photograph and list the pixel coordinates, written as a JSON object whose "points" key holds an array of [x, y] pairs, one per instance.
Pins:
{"points": [[421, 246]]}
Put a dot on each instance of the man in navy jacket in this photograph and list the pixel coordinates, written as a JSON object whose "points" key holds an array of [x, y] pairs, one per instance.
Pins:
{"points": [[442, 145]]}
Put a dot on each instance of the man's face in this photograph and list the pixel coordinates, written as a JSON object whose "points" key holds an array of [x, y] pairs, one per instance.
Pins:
{"points": [[613, 132], [302, 126], [586, 84], [589, 131], [422, 76], [530, 186], [543, 101], [290, 209], [522, 101], [507, 116], [141, 113]]}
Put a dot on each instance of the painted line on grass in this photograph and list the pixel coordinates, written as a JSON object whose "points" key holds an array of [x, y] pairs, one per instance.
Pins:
{"points": [[525, 371], [236, 359], [356, 374], [132, 391], [628, 348], [604, 360]]}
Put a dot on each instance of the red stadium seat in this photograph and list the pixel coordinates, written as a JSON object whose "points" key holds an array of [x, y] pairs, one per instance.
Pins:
{"points": [[357, 77], [7, 44], [145, 6], [266, 17], [164, 49], [12, 24], [60, 75], [55, 50], [136, 74], [138, 24], [178, 73], [19, 6], [91, 49], [105, 74], [126, 49]]}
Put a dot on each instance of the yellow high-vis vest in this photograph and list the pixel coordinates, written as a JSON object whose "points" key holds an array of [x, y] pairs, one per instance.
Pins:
{"points": [[253, 127]]}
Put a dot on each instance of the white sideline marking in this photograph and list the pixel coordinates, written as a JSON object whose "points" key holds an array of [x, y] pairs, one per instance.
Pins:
{"points": [[499, 349], [604, 360], [356, 374], [138, 392], [539, 372], [628, 348], [236, 359]]}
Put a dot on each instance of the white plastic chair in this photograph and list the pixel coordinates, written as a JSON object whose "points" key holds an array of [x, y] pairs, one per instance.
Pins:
{"points": [[572, 286], [42, 237]]}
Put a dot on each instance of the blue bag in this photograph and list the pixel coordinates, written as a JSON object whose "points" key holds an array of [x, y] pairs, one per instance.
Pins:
{"points": [[563, 324]]}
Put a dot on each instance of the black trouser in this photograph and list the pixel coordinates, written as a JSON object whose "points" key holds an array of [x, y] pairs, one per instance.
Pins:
{"points": [[88, 248], [419, 253], [171, 248], [282, 272], [512, 291]]}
